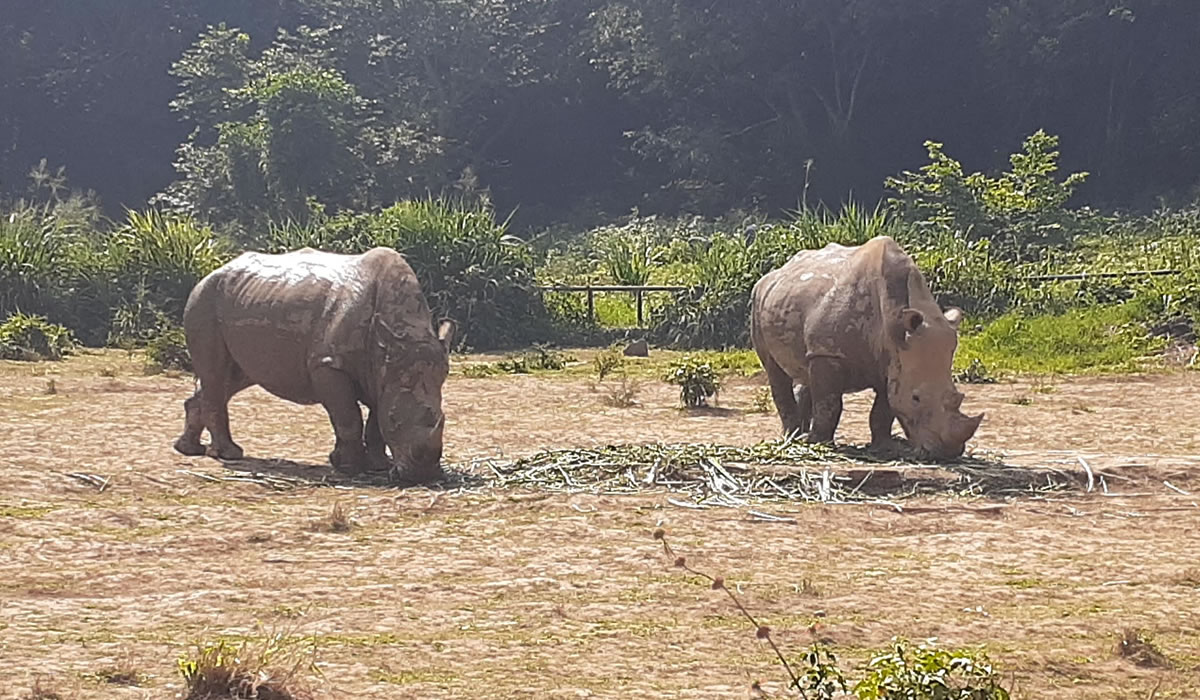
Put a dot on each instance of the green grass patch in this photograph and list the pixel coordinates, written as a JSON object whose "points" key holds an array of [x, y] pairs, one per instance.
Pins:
{"points": [[1098, 339]]}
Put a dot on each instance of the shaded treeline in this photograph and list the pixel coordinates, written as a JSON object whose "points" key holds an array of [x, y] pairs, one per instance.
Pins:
{"points": [[573, 108]]}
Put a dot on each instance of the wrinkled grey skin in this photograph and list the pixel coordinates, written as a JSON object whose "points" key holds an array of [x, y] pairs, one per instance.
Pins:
{"points": [[314, 327], [844, 319]]}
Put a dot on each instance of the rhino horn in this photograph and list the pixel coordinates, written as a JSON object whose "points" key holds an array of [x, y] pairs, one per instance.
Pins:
{"points": [[967, 425]]}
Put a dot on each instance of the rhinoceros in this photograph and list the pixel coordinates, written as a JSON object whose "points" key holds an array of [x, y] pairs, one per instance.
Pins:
{"points": [[316, 327], [845, 319]]}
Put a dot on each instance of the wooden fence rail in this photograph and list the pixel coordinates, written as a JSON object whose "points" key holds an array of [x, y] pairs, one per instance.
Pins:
{"points": [[639, 291]]}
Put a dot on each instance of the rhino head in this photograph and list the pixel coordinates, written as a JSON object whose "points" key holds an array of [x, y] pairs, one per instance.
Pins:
{"points": [[410, 403], [921, 391]]}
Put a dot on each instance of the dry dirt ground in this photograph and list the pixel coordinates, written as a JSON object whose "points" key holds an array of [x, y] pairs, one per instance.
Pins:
{"points": [[505, 594]]}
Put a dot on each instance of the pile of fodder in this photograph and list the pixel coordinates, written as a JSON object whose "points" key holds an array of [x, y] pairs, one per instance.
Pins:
{"points": [[779, 469]]}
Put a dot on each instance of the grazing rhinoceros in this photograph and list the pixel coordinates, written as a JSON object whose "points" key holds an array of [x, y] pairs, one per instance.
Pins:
{"points": [[313, 327], [844, 319]]}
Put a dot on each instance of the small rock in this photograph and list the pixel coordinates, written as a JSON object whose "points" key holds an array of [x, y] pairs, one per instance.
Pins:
{"points": [[638, 348]]}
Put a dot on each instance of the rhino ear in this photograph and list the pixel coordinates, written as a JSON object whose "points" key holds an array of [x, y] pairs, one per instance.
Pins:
{"points": [[954, 315], [446, 331], [911, 320]]}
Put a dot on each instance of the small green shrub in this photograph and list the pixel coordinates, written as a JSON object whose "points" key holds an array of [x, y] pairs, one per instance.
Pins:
{"points": [[608, 361], [697, 381], [974, 373], [33, 338], [927, 673], [762, 401]]}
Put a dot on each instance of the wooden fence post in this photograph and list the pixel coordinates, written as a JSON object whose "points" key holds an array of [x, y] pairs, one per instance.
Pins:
{"points": [[591, 302], [638, 293]]}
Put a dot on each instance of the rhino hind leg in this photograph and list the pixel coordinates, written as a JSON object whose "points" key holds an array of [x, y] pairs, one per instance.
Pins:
{"points": [[193, 425], [826, 392], [336, 392], [214, 411]]}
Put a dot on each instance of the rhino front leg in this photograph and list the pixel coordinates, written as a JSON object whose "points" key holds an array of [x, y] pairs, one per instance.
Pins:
{"points": [[794, 416], [826, 392], [882, 418], [376, 453], [335, 390]]}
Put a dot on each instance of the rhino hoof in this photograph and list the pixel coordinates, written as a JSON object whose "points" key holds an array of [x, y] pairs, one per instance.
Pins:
{"points": [[191, 448], [231, 452]]}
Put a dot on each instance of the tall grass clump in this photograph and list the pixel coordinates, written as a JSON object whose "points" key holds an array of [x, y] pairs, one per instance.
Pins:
{"points": [[471, 269], [725, 267]]}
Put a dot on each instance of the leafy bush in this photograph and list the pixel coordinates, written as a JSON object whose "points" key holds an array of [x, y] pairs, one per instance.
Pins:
{"points": [[1022, 211], [697, 381], [928, 673], [32, 338]]}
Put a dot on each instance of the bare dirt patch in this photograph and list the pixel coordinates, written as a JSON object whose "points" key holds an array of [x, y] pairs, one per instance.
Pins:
{"points": [[498, 593]]}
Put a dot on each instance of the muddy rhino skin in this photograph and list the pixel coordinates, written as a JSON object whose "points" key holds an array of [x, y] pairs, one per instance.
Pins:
{"points": [[314, 327], [845, 319]]}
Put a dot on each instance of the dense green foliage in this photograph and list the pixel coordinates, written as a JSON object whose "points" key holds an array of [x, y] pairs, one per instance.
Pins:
{"points": [[578, 108], [696, 379]]}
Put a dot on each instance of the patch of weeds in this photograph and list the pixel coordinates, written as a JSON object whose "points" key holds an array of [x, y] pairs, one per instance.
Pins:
{"points": [[1022, 400], [1137, 646], [123, 673], [697, 381], [762, 401], [1024, 583], [807, 587], [480, 370], [1043, 385], [541, 357], [270, 668], [337, 521], [32, 338], [974, 373], [25, 512], [608, 361], [620, 393], [51, 388], [742, 362], [108, 372], [42, 690], [409, 676]]}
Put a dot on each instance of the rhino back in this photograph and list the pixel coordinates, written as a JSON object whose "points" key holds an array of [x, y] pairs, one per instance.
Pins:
{"points": [[833, 302], [280, 315]]}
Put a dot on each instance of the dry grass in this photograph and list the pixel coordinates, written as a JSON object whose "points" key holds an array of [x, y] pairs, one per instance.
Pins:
{"points": [[1137, 646], [336, 521], [515, 593], [272, 667], [619, 392], [42, 689]]}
